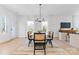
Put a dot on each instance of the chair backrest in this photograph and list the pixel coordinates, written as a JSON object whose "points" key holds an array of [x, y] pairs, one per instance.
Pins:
{"points": [[39, 42], [51, 34], [39, 36], [29, 34]]}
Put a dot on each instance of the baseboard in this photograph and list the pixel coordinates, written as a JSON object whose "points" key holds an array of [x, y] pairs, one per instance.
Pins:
{"points": [[8, 40]]}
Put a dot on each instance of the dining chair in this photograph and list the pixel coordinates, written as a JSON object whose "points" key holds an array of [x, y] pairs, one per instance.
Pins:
{"points": [[49, 38], [40, 42], [30, 38]]}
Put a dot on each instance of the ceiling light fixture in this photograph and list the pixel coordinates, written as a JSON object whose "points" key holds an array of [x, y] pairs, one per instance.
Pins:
{"points": [[40, 19]]}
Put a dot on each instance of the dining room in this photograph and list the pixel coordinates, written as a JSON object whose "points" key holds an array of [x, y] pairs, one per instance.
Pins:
{"points": [[26, 27]]}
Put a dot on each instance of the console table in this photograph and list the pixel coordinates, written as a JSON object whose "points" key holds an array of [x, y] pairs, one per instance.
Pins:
{"points": [[64, 34], [67, 31]]}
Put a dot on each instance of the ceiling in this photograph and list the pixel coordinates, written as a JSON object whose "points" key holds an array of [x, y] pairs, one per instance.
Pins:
{"points": [[47, 9]]}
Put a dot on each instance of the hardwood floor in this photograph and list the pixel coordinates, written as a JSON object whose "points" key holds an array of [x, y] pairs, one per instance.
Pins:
{"points": [[19, 46]]}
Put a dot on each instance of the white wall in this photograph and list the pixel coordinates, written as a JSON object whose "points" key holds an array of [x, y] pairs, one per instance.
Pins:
{"points": [[20, 23], [67, 19], [22, 26], [76, 21], [53, 23], [11, 22]]}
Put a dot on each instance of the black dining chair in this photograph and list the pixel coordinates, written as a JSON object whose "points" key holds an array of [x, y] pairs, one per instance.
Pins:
{"points": [[30, 38], [40, 42], [49, 38]]}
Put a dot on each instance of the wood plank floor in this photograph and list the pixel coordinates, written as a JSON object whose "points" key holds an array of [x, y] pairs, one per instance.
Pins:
{"points": [[19, 46]]}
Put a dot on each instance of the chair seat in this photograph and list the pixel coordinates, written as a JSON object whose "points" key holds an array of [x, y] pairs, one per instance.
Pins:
{"points": [[48, 38], [39, 41], [39, 46]]}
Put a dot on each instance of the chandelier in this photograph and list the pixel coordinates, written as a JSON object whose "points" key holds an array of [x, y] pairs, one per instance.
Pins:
{"points": [[40, 19]]}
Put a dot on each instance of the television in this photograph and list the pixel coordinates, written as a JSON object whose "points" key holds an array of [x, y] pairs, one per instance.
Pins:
{"points": [[65, 25]]}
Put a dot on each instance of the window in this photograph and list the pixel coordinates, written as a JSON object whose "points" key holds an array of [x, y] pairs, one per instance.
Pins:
{"points": [[30, 25], [2, 24], [45, 26]]}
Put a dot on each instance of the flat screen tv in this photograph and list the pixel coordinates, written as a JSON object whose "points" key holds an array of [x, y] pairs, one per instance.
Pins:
{"points": [[65, 25]]}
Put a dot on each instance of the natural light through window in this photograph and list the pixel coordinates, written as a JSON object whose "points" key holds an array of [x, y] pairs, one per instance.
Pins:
{"points": [[45, 26], [30, 25], [2, 25]]}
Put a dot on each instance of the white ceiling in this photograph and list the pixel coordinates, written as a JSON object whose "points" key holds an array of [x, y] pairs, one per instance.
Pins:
{"points": [[47, 9]]}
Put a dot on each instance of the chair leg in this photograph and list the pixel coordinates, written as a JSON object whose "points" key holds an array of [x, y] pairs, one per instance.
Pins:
{"points": [[51, 43], [44, 52], [29, 42], [47, 41], [44, 49], [34, 50]]}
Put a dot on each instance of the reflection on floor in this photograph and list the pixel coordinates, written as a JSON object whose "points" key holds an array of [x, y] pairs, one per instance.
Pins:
{"points": [[19, 46]]}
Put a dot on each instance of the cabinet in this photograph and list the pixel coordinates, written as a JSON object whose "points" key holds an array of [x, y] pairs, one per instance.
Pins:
{"points": [[74, 40], [62, 36]]}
